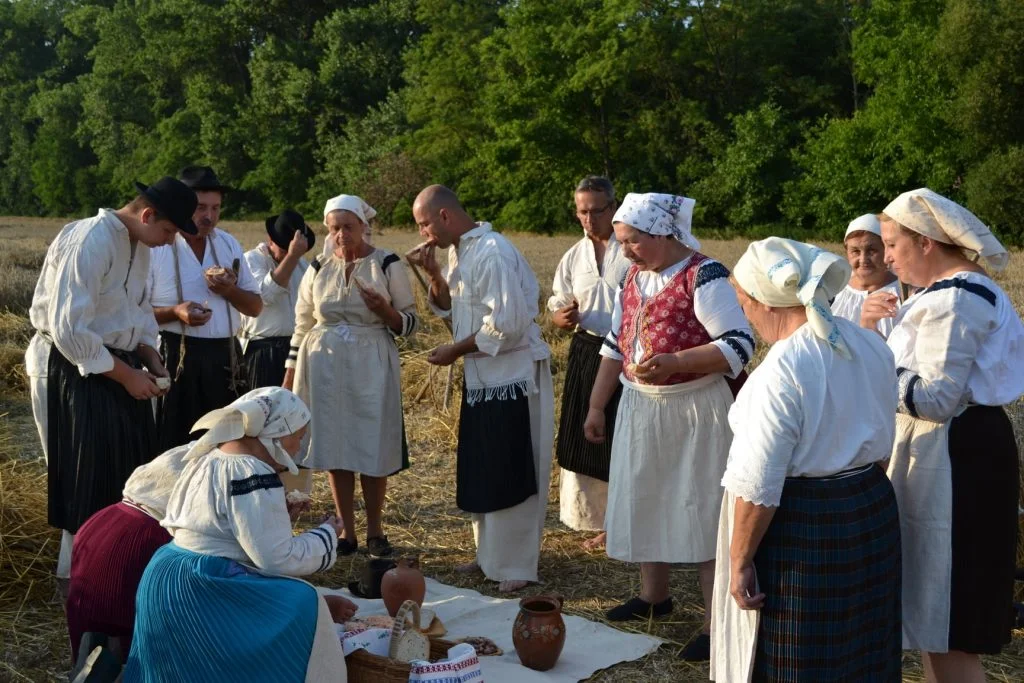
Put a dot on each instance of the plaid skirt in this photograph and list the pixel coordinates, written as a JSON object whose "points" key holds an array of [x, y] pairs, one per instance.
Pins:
{"points": [[829, 566]]}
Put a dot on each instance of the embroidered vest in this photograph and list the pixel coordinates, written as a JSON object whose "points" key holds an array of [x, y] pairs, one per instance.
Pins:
{"points": [[665, 323]]}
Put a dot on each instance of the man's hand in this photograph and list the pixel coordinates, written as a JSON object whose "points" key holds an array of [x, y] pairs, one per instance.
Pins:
{"points": [[658, 369], [289, 379], [425, 258], [152, 361], [443, 355], [742, 587], [593, 428], [221, 283], [299, 244], [140, 385], [567, 317], [192, 314]]}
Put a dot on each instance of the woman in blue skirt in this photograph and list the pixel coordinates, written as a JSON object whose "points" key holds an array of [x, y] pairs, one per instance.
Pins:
{"points": [[217, 602]]}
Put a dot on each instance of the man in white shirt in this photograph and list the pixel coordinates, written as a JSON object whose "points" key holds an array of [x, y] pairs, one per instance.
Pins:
{"points": [[506, 426], [96, 338], [277, 266], [199, 286], [866, 255], [582, 301]]}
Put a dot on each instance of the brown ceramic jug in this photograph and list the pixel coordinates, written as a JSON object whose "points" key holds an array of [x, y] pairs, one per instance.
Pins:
{"points": [[539, 632], [404, 582]]}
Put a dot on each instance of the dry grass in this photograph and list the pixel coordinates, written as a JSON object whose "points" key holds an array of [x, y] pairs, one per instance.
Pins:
{"points": [[421, 515]]}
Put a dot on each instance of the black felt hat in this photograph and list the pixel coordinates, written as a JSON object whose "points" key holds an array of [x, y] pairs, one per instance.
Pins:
{"points": [[283, 227], [202, 178], [173, 199]]}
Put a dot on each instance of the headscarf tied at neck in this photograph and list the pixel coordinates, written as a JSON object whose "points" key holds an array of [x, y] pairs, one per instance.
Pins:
{"points": [[149, 486], [659, 214], [780, 272], [349, 202], [267, 414], [943, 220]]}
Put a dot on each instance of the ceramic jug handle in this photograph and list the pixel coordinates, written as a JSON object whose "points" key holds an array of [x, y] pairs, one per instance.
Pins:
{"points": [[559, 597]]}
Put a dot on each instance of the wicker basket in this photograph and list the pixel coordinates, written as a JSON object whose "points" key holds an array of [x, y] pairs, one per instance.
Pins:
{"points": [[366, 668]]}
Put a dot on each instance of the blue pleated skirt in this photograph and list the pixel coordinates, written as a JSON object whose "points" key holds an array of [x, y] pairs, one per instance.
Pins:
{"points": [[204, 618]]}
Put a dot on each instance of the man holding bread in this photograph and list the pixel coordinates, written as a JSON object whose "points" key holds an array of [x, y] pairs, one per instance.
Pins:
{"points": [[199, 286]]}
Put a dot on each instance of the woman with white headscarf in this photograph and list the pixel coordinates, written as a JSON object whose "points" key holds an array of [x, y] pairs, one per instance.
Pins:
{"points": [[959, 348], [354, 301], [808, 580], [217, 602], [677, 332]]}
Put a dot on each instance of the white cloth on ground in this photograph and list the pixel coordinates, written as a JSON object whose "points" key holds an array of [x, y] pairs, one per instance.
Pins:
{"points": [[277, 319], [150, 485], [494, 297], [91, 293], [959, 341], [659, 214], [668, 455], [164, 289], [590, 646], [582, 501], [233, 506], [849, 302], [591, 284], [808, 412], [714, 303], [508, 541]]}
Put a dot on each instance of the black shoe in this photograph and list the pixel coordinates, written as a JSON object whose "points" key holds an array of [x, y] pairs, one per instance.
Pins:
{"points": [[697, 650], [378, 546], [347, 547], [636, 608]]}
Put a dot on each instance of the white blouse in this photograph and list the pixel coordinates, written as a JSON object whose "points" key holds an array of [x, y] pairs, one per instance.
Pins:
{"points": [[714, 303], [91, 294], [234, 506], [807, 412], [278, 316], [581, 278], [164, 288], [848, 303], [957, 342]]}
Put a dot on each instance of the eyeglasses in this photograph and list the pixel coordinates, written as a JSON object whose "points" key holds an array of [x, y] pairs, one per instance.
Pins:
{"points": [[593, 213]]}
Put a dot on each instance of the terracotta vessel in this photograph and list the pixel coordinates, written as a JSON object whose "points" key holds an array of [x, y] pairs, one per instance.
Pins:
{"points": [[404, 582], [539, 632]]}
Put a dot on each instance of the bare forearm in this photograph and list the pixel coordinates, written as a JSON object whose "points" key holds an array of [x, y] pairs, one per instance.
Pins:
{"points": [[703, 360], [246, 302], [439, 293], [750, 524], [606, 383], [467, 345], [282, 275], [165, 314]]}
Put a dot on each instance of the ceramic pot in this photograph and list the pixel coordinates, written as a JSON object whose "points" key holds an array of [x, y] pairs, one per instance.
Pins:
{"points": [[539, 632], [404, 582]]}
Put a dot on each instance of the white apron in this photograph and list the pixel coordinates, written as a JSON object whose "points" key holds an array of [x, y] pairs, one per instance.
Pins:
{"points": [[668, 457], [921, 476], [582, 501], [733, 630]]}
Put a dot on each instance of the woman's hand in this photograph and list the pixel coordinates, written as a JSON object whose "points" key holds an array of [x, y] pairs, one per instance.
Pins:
{"points": [[593, 427], [443, 355], [374, 301], [289, 379], [878, 305], [295, 510], [657, 369], [342, 609], [337, 524], [742, 586]]}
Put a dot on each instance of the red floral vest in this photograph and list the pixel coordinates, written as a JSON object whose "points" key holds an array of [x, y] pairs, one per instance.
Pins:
{"points": [[665, 323]]}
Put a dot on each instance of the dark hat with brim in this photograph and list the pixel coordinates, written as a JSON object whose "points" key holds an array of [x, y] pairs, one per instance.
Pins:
{"points": [[201, 178], [173, 199], [282, 228]]}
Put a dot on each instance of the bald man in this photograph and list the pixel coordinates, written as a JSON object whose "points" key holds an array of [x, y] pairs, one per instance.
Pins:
{"points": [[506, 429]]}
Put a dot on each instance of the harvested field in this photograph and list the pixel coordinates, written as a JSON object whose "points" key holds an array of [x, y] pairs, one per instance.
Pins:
{"points": [[421, 515]]}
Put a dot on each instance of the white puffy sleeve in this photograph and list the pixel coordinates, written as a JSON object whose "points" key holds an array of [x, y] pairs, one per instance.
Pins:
{"points": [[258, 517], [719, 311], [78, 277], [610, 346], [263, 274], [561, 286], [509, 315], [765, 420], [304, 309], [246, 280], [402, 298]]}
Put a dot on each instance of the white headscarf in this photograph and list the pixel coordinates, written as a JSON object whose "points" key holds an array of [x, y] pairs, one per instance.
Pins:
{"points": [[781, 272], [659, 214], [267, 414], [150, 485], [932, 215], [349, 202], [866, 223]]}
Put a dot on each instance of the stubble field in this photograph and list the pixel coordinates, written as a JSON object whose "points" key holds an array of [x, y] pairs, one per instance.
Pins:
{"points": [[420, 516]]}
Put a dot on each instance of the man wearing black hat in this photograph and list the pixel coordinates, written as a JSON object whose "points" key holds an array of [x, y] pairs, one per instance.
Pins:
{"points": [[96, 345], [199, 286], [277, 265]]}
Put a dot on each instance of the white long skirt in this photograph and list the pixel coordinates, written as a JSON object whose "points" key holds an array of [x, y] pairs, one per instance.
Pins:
{"points": [[508, 541], [582, 501], [668, 457], [349, 376]]}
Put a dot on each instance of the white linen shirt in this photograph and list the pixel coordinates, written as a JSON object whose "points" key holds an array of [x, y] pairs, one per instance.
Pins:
{"points": [[579, 277], [715, 305], [164, 289], [957, 342], [807, 412], [91, 294], [278, 316], [848, 303], [234, 506]]}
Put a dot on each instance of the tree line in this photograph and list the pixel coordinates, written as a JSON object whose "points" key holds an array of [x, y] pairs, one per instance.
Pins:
{"points": [[778, 116]]}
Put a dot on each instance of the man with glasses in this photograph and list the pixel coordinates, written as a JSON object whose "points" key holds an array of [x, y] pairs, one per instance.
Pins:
{"points": [[582, 300]]}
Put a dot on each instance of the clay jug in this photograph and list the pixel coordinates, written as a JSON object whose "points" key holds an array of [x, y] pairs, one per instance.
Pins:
{"points": [[404, 582], [539, 632]]}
